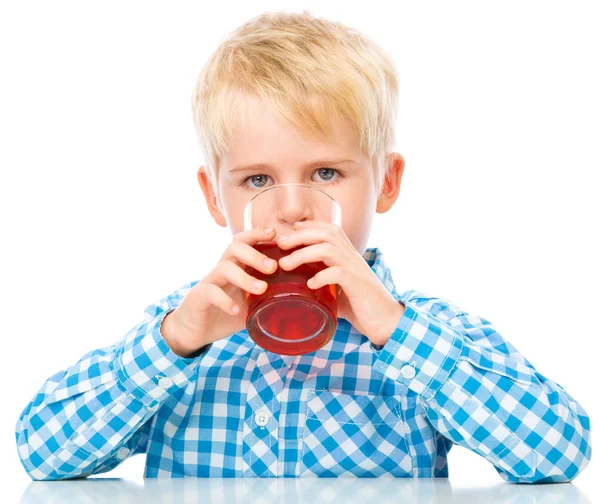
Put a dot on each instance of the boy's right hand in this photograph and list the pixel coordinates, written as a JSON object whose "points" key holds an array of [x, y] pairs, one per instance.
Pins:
{"points": [[206, 312]]}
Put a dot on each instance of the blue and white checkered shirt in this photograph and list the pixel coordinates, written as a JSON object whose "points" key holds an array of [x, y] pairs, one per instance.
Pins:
{"points": [[347, 409]]}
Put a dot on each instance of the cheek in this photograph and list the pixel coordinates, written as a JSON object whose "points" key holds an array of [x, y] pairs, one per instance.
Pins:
{"points": [[233, 208], [357, 218]]}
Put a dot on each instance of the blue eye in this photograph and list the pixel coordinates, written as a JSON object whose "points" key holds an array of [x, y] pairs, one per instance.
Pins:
{"points": [[327, 170], [254, 178], [326, 174]]}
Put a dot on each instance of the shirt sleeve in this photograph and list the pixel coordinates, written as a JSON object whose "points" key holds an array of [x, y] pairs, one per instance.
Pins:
{"points": [[481, 393], [90, 417]]}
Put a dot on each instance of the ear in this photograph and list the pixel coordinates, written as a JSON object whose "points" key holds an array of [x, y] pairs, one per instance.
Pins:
{"points": [[391, 186], [209, 196]]}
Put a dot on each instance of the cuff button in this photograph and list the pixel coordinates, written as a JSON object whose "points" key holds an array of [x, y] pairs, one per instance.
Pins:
{"points": [[122, 452]]}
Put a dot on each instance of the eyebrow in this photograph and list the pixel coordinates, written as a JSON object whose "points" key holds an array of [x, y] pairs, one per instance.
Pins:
{"points": [[312, 164]]}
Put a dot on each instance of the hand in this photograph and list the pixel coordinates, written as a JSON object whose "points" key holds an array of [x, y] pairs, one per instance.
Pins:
{"points": [[363, 300], [206, 313]]}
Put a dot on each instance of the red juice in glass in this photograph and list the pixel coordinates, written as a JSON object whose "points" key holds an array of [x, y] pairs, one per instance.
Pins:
{"points": [[289, 318]]}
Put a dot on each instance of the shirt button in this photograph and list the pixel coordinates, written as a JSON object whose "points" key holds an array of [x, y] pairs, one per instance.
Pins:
{"points": [[262, 418], [165, 382], [122, 452], [408, 372]]}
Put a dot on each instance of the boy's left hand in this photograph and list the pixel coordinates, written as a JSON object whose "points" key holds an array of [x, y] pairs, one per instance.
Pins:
{"points": [[363, 300]]}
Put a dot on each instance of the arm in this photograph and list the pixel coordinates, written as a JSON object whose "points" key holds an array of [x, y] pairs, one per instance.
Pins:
{"points": [[90, 417], [481, 393]]}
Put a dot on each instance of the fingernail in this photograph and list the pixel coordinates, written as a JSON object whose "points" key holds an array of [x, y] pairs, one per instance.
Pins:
{"points": [[269, 263], [257, 284], [268, 230], [283, 237]]}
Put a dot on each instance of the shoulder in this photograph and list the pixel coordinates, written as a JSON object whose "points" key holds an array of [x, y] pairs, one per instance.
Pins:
{"points": [[435, 305], [170, 300]]}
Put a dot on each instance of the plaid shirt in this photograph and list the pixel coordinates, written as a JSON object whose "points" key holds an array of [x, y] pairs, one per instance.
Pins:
{"points": [[347, 409]]}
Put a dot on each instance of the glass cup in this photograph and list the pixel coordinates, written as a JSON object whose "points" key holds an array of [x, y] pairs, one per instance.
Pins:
{"points": [[290, 318]]}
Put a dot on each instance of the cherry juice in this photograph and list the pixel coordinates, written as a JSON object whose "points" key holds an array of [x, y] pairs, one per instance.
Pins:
{"points": [[290, 318]]}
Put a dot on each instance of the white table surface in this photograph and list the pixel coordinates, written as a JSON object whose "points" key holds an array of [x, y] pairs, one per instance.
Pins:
{"points": [[290, 491]]}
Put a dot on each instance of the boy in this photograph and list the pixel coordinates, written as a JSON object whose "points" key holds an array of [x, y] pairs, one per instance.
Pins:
{"points": [[293, 98]]}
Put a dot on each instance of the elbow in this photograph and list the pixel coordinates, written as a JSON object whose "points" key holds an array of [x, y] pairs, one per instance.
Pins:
{"points": [[35, 465], [566, 460], [40, 461], [561, 460], [572, 463], [556, 465], [555, 475], [43, 470]]}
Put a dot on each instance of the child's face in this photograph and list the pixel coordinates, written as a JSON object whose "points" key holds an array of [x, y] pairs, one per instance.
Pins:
{"points": [[288, 155]]}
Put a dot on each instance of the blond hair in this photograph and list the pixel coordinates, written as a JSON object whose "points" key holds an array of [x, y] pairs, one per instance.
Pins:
{"points": [[308, 71]]}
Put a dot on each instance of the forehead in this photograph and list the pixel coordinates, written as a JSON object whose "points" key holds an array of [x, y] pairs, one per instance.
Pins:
{"points": [[260, 137]]}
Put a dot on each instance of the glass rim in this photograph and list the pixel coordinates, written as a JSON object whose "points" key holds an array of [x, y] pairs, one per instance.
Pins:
{"points": [[291, 184]]}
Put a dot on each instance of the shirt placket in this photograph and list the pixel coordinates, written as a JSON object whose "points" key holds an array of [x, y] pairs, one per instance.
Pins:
{"points": [[261, 418]]}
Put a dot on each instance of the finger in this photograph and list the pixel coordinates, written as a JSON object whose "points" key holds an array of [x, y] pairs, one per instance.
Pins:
{"points": [[213, 294], [228, 272], [310, 223], [249, 256], [254, 235], [315, 223], [317, 234], [324, 251], [329, 276]]}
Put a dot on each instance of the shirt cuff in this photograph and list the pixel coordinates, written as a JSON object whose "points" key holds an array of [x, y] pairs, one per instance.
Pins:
{"points": [[421, 352], [147, 367]]}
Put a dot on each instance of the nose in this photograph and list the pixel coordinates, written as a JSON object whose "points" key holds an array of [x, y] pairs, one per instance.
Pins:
{"points": [[293, 205]]}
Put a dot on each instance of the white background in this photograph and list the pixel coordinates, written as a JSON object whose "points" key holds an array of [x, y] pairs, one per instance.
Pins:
{"points": [[101, 213]]}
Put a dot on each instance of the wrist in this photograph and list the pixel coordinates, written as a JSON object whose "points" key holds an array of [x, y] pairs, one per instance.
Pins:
{"points": [[397, 312], [169, 332]]}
